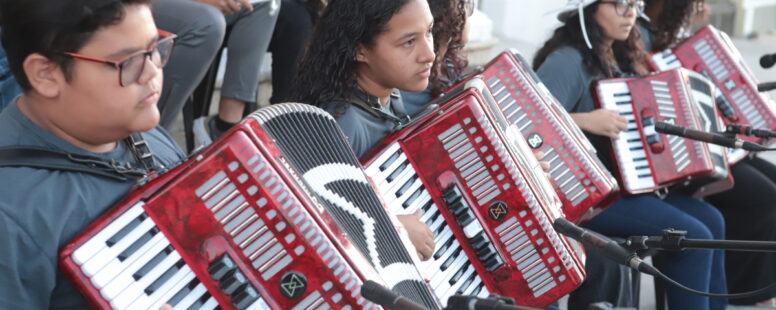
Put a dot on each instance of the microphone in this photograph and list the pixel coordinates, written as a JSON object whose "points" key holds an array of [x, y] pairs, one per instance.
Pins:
{"points": [[763, 87], [493, 302], [767, 60], [383, 296], [707, 137], [747, 130], [602, 244]]}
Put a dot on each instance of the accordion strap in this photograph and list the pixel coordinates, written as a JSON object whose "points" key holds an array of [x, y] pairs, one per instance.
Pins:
{"points": [[37, 157]]}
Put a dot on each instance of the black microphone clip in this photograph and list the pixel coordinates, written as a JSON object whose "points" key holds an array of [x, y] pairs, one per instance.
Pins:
{"points": [[603, 245], [747, 130]]}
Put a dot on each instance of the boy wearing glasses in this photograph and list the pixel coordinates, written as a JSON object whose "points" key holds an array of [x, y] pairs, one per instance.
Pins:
{"points": [[91, 72]]}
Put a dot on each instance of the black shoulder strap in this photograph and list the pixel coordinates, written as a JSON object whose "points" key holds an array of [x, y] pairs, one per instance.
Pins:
{"points": [[361, 100], [41, 158], [142, 152]]}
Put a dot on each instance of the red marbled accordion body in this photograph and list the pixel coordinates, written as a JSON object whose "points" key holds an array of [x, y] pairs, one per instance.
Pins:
{"points": [[238, 199], [485, 198], [646, 160], [711, 53], [583, 184]]}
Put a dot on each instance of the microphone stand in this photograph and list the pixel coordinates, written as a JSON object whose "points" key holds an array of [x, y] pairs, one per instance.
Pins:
{"points": [[674, 240]]}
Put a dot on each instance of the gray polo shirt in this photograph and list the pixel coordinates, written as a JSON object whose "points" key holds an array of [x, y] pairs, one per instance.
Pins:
{"points": [[42, 210], [364, 129]]}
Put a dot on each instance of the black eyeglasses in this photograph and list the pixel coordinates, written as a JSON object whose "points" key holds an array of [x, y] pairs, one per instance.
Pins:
{"points": [[131, 68], [468, 6], [623, 6]]}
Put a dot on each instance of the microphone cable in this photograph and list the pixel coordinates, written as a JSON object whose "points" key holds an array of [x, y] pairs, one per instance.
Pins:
{"points": [[665, 278]]}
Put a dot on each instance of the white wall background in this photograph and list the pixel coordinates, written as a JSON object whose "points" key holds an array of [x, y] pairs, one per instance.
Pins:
{"points": [[523, 21]]}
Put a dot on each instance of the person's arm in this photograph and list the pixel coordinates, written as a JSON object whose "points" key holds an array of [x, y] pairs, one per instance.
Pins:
{"points": [[601, 122], [563, 74], [27, 273]]}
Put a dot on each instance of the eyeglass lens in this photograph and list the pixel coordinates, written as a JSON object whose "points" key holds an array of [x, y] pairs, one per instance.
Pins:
{"points": [[132, 68], [624, 5]]}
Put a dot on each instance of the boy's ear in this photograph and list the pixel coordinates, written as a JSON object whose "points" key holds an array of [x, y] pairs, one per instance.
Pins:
{"points": [[45, 76], [361, 53]]}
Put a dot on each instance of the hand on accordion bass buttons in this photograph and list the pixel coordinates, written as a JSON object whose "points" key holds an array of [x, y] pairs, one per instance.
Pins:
{"points": [[420, 234]]}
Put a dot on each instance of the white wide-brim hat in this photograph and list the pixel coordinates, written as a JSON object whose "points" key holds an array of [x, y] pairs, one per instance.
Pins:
{"points": [[577, 7]]}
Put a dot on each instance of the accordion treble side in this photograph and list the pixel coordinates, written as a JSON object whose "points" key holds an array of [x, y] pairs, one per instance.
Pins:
{"points": [[646, 160], [710, 52], [485, 198]]}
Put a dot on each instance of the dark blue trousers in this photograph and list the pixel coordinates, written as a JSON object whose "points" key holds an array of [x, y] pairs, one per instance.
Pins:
{"points": [[646, 215]]}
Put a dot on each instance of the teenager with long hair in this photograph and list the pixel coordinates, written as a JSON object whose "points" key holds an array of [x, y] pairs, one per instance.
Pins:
{"points": [[598, 40], [669, 22], [359, 55], [606, 280], [755, 178]]}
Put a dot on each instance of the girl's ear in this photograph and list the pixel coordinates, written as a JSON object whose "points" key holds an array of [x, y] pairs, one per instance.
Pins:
{"points": [[361, 53]]}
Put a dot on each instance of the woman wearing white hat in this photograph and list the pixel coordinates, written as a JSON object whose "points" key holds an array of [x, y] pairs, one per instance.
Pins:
{"points": [[598, 40]]}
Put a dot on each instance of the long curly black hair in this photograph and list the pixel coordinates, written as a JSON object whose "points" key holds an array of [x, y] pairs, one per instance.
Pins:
{"points": [[327, 70], [449, 21], [669, 17], [629, 55]]}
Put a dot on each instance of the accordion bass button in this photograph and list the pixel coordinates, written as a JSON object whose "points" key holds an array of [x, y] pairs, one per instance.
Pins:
{"points": [[493, 263], [233, 282], [479, 241], [220, 267], [245, 297]]}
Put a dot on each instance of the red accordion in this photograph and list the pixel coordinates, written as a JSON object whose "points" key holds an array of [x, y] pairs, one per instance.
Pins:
{"points": [[647, 161], [583, 184], [711, 53], [244, 225], [486, 199]]}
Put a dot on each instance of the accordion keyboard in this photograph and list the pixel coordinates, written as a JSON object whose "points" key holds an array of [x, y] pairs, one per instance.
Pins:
{"points": [[136, 267], [630, 151], [407, 194]]}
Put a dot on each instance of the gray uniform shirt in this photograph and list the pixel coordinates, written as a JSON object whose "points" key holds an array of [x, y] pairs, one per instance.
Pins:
{"points": [[646, 35], [42, 210], [363, 128], [565, 76]]}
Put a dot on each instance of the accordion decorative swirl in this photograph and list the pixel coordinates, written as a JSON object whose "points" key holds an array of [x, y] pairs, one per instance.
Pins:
{"points": [[239, 227]]}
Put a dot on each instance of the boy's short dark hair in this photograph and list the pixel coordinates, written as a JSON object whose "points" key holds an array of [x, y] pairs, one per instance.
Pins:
{"points": [[51, 27]]}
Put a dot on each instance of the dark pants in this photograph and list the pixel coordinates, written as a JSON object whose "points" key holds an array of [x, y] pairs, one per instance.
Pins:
{"points": [[750, 214], [292, 30], [647, 215]]}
